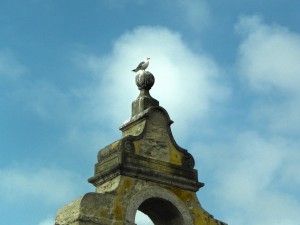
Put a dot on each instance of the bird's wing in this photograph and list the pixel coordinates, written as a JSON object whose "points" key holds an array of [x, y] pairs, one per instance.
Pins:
{"points": [[140, 65]]}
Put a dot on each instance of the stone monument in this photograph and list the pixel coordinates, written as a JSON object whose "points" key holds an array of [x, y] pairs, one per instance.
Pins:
{"points": [[145, 170]]}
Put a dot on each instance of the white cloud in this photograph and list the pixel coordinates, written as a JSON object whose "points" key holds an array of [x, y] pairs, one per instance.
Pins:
{"points": [[184, 79], [47, 185], [255, 164], [255, 179], [269, 61], [269, 55], [255, 173]]}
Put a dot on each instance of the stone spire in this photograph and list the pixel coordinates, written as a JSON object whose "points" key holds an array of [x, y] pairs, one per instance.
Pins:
{"points": [[144, 170]]}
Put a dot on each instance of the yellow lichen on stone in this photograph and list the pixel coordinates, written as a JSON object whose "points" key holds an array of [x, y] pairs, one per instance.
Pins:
{"points": [[125, 187], [127, 183], [114, 145], [175, 156], [199, 215], [135, 129], [109, 185], [181, 194], [103, 213], [136, 147], [118, 212]]}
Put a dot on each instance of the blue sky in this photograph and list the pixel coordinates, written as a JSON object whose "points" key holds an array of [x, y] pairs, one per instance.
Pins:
{"points": [[227, 72]]}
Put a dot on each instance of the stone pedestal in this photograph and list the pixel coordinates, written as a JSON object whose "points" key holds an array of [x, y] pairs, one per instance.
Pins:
{"points": [[145, 170]]}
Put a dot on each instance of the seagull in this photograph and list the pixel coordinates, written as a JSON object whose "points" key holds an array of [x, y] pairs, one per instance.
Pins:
{"points": [[143, 65]]}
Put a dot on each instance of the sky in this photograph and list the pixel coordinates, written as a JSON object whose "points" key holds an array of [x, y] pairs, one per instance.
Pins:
{"points": [[227, 72]]}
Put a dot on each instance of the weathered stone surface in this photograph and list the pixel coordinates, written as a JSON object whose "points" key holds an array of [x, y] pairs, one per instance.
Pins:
{"points": [[148, 151], [89, 209], [144, 80], [118, 205], [145, 170], [155, 143]]}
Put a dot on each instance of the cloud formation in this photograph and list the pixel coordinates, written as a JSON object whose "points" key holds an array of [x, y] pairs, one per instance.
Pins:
{"points": [[47, 185], [252, 169], [252, 180], [269, 55], [269, 61], [184, 79], [255, 169]]}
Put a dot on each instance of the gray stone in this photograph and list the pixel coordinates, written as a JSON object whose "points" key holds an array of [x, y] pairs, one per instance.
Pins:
{"points": [[145, 170]]}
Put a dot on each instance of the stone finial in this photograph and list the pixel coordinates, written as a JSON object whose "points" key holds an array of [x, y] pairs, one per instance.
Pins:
{"points": [[144, 81]]}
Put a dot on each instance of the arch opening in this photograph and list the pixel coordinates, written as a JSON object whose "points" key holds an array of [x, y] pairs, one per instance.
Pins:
{"points": [[161, 212]]}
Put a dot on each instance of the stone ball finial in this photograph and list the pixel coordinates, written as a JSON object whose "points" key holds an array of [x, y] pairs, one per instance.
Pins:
{"points": [[144, 80]]}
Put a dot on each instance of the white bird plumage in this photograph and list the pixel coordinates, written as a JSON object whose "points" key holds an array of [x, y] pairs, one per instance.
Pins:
{"points": [[142, 66]]}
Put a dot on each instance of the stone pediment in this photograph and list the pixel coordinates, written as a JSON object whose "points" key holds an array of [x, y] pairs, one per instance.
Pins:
{"points": [[153, 139], [147, 150]]}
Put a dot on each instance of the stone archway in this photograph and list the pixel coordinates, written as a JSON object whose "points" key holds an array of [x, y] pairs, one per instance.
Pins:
{"points": [[162, 206], [161, 212]]}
